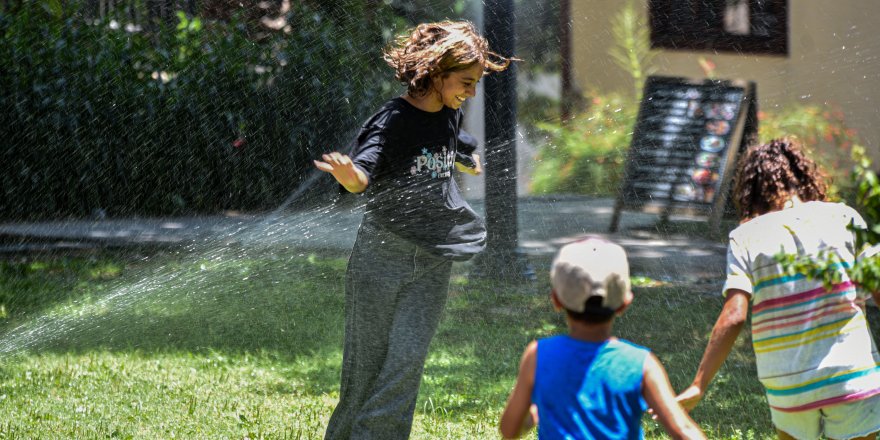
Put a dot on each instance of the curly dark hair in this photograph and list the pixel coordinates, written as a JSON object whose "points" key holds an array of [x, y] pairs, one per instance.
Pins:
{"points": [[770, 174], [430, 49]]}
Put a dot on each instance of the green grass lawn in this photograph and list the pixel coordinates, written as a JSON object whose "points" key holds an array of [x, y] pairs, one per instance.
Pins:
{"points": [[246, 343]]}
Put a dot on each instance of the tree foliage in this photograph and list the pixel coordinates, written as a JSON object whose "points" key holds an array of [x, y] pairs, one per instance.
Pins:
{"points": [[632, 48], [99, 114]]}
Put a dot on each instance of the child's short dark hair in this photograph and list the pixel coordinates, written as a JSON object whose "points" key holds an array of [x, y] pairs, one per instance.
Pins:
{"points": [[437, 48], [770, 174], [593, 312]]}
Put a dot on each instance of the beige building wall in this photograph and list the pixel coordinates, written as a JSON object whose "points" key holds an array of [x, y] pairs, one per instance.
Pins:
{"points": [[834, 59]]}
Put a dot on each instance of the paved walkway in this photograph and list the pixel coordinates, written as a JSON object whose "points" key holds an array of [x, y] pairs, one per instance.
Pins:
{"points": [[545, 224]]}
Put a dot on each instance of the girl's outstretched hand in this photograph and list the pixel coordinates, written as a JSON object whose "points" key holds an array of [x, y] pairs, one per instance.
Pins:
{"points": [[344, 171]]}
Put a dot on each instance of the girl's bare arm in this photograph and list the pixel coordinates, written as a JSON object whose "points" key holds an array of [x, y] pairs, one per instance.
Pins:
{"points": [[727, 328]]}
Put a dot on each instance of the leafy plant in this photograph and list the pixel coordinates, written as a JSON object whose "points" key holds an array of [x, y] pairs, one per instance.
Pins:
{"points": [[586, 155], [825, 134], [867, 196], [866, 271], [632, 51], [827, 266]]}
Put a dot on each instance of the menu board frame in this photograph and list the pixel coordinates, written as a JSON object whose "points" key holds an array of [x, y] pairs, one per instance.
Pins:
{"points": [[685, 144]]}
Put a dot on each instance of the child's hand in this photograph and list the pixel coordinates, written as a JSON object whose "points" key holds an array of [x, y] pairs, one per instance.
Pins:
{"points": [[477, 168], [344, 171], [690, 397]]}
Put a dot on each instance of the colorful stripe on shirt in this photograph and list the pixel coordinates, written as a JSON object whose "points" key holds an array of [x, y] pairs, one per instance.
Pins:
{"points": [[802, 298], [775, 279], [819, 382], [858, 303], [830, 401], [830, 330], [826, 310]]}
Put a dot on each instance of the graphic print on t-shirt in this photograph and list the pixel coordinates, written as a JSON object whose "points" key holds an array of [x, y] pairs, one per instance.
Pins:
{"points": [[438, 164]]}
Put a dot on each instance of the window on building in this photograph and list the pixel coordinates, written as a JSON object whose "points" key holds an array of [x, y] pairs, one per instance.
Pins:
{"points": [[744, 26]]}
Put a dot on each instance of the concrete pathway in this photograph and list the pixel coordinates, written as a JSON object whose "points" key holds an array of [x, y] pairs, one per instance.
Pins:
{"points": [[545, 224]]}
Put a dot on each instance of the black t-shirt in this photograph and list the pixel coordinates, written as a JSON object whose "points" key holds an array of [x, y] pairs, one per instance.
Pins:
{"points": [[408, 156]]}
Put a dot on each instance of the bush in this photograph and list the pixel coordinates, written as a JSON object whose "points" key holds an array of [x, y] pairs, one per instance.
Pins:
{"points": [[824, 133], [587, 154], [200, 118]]}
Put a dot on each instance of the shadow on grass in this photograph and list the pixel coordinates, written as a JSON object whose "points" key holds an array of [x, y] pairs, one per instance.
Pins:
{"points": [[281, 303], [689, 228], [476, 354], [287, 305]]}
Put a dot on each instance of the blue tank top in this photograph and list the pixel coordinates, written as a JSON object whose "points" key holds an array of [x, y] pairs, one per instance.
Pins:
{"points": [[589, 390]]}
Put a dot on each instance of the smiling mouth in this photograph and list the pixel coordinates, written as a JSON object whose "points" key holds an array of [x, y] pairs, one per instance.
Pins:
{"points": [[460, 99]]}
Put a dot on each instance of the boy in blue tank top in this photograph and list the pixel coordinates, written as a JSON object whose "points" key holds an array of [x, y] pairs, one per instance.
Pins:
{"points": [[589, 384]]}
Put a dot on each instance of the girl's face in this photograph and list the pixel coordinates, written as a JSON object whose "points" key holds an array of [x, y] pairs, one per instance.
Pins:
{"points": [[455, 87]]}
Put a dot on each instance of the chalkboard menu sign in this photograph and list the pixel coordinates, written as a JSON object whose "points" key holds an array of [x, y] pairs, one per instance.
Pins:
{"points": [[685, 143]]}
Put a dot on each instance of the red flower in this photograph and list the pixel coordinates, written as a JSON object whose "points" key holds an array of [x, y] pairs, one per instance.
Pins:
{"points": [[238, 143], [707, 66]]}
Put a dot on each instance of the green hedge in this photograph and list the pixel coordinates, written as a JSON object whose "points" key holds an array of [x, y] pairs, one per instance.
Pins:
{"points": [[196, 119]]}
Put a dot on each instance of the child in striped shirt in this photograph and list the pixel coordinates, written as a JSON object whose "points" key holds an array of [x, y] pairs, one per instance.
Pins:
{"points": [[814, 352]]}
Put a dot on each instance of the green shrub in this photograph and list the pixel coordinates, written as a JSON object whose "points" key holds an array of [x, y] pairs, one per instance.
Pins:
{"points": [[198, 118], [586, 155], [825, 134]]}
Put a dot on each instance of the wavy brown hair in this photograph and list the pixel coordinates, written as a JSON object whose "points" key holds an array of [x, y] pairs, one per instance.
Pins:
{"points": [[768, 175], [431, 49]]}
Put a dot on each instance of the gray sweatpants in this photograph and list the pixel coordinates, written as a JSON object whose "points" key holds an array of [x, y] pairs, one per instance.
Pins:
{"points": [[394, 296]]}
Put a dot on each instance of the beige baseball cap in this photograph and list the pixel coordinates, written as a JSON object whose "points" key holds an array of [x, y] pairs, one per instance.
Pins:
{"points": [[591, 267]]}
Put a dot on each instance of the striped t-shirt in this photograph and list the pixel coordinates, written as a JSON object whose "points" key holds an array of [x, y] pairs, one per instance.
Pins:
{"points": [[812, 345]]}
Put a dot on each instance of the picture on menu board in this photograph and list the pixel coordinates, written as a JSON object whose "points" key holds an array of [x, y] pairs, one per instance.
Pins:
{"points": [[685, 137]]}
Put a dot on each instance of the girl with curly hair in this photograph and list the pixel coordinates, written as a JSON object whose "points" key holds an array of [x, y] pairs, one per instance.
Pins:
{"points": [[815, 355], [416, 223]]}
